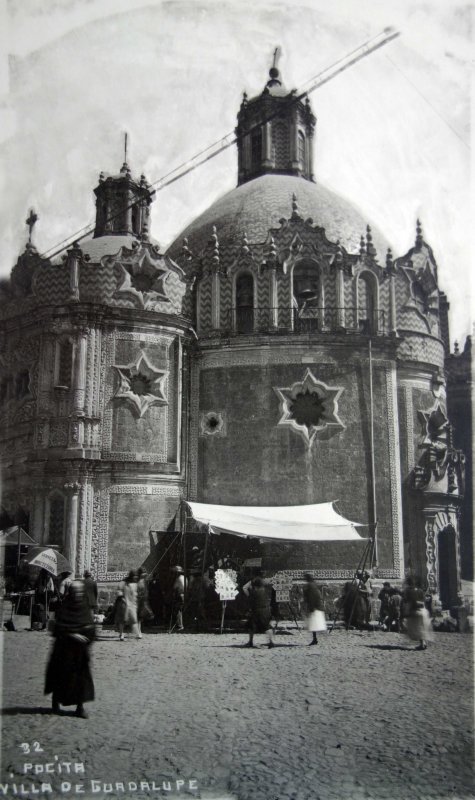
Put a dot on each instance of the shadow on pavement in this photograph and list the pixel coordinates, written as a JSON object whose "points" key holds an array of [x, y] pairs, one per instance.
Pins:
{"points": [[256, 647], [14, 710], [389, 646]]}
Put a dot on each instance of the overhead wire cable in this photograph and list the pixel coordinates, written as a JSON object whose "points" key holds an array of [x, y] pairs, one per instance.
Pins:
{"points": [[434, 109]]}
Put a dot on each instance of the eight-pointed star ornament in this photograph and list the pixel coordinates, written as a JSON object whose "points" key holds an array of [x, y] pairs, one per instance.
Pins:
{"points": [[143, 282], [310, 408], [141, 385]]}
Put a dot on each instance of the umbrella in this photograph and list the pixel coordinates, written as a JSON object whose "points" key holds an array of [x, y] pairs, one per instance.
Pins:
{"points": [[48, 559]]}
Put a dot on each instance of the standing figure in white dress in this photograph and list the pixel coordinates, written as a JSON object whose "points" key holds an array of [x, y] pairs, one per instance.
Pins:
{"points": [[316, 622]]}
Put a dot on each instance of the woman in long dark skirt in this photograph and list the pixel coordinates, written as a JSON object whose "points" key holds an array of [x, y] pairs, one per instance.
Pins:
{"points": [[68, 675]]}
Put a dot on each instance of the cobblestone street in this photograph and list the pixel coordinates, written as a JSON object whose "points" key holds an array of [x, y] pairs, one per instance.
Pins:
{"points": [[359, 716]]}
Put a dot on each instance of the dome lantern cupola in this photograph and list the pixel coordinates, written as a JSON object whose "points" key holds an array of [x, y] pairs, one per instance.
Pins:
{"points": [[122, 204], [275, 132]]}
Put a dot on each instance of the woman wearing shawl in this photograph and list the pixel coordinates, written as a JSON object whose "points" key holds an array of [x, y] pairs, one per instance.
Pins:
{"points": [[68, 676], [416, 617], [260, 596], [126, 607], [144, 612], [315, 608]]}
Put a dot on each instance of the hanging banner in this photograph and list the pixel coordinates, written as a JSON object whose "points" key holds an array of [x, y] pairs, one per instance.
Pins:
{"points": [[225, 582]]}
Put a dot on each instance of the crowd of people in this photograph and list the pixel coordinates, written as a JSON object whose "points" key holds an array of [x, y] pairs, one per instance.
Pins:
{"points": [[139, 598], [399, 610]]}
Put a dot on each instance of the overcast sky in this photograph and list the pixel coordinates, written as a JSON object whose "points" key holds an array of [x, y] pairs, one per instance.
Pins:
{"points": [[393, 132]]}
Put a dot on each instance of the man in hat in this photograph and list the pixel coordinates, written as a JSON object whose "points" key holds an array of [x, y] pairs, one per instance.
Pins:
{"points": [[178, 597], [90, 587]]}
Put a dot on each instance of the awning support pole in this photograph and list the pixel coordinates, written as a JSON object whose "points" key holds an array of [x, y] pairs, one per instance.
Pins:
{"points": [[374, 560]]}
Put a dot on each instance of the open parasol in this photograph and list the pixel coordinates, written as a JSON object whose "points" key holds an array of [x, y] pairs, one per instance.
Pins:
{"points": [[49, 559]]}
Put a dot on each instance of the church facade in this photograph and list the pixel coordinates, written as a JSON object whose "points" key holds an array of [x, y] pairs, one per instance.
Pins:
{"points": [[277, 354]]}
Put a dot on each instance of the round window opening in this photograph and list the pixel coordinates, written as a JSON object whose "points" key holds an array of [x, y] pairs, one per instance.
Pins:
{"points": [[212, 423]]}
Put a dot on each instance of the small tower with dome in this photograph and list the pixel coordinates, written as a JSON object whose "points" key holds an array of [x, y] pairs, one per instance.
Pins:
{"points": [[275, 132]]}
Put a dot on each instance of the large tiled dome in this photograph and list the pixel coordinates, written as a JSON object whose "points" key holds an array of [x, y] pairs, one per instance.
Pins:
{"points": [[259, 204]]}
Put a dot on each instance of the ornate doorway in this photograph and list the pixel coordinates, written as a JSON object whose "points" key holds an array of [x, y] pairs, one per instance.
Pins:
{"points": [[447, 566]]}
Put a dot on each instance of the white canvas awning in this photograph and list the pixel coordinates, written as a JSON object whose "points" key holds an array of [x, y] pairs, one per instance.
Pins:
{"points": [[314, 523], [15, 536]]}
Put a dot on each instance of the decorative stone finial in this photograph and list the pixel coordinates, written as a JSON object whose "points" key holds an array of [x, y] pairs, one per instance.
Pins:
{"points": [[370, 248], [339, 253], [295, 206], [244, 100], [456, 348], [274, 73], [389, 259], [271, 251], [144, 235], [102, 177], [185, 250], [244, 244], [362, 246], [419, 238], [214, 246]]}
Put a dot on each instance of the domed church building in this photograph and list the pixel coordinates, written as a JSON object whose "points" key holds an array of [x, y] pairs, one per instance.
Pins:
{"points": [[277, 354]]}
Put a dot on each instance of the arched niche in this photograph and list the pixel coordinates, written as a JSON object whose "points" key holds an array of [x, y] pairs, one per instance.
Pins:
{"points": [[447, 566], [63, 365], [55, 518], [244, 302], [367, 302], [307, 296], [302, 150]]}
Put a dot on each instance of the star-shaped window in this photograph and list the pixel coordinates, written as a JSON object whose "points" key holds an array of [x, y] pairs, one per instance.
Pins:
{"points": [[143, 282], [140, 385], [310, 408]]}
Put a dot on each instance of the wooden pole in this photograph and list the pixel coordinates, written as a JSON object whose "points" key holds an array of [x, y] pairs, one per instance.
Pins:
{"points": [[222, 616], [373, 469], [19, 549]]}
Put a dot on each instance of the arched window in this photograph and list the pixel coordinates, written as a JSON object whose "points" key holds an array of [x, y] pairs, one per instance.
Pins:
{"points": [[245, 303], [22, 384], [280, 145], [301, 149], [366, 305], [64, 363], [256, 148], [56, 519], [135, 219], [307, 297], [3, 391]]}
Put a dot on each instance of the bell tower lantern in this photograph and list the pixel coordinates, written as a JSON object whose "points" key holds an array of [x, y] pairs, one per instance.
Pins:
{"points": [[122, 204], [275, 132]]}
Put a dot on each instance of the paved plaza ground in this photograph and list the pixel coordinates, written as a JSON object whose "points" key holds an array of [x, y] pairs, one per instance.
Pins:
{"points": [[362, 715]]}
